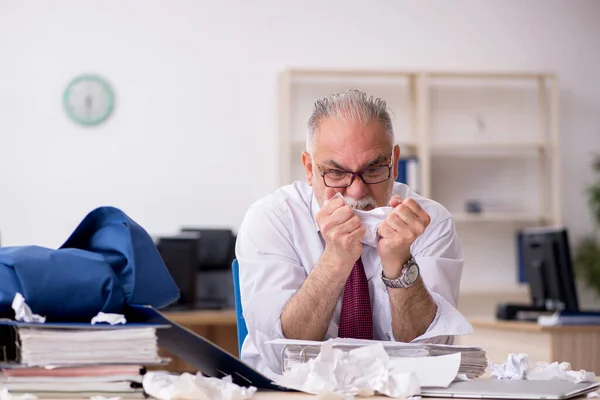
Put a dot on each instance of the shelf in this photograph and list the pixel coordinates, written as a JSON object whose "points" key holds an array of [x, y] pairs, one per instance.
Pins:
{"points": [[357, 73], [488, 149], [491, 75], [517, 290], [349, 73], [498, 217], [404, 145]]}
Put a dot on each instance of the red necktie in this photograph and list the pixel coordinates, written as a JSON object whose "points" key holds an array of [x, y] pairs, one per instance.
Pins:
{"points": [[355, 319]]}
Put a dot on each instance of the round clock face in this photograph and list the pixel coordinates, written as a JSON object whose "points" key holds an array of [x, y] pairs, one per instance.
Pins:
{"points": [[88, 100]]}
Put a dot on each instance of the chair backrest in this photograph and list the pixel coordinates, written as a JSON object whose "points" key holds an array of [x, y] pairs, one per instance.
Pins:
{"points": [[242, 331]]}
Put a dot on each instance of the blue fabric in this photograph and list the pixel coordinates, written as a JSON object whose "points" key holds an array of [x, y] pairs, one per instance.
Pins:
{"points": [[242, 330], [109, 261]]}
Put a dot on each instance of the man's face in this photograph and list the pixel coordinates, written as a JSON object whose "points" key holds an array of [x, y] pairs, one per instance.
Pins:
{"points": [[352, 147]]}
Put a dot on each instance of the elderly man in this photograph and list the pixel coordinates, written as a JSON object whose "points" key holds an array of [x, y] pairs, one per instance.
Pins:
{"points": [[306, 270]]}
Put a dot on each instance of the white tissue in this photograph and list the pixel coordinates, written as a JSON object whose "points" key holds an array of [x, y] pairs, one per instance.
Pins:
{"points": [[22, 311], [560, 371], [112, 319], [593, 395], [104, 398], [517, 367], [5, 395], [359, 372], [165, 386], [370, 220]]}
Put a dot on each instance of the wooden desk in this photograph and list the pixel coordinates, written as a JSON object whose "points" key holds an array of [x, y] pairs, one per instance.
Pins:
{"points": [[260, 395], [578, 345], [219, 327]]}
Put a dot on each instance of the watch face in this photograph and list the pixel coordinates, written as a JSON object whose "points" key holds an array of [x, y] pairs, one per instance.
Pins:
{"points": [[412, 273]]}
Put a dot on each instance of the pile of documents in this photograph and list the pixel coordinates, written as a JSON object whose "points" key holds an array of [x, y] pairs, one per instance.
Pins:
{"points": [[110, 380], [56, 360], [41, 347], [473, 361]]}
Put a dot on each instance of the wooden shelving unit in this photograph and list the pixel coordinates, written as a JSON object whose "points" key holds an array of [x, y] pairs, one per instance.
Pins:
{"points": [[487, 136]]}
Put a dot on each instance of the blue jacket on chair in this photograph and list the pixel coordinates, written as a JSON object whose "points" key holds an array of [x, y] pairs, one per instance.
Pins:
{"points": [[108, 262]]}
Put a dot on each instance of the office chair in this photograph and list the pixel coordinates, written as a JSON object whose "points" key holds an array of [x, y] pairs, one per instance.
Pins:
{"points": [[242, 330]]}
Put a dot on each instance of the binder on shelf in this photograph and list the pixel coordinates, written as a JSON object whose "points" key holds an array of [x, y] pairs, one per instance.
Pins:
{"points": [[408, 172]]}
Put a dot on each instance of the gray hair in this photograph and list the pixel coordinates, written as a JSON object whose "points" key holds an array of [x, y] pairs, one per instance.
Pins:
{"points": [[351, 105]]}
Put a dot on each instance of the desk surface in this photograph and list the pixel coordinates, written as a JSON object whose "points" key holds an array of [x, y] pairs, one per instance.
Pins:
{"points": [[529, 326], [305, 396], [227, 318], [202, 317]]}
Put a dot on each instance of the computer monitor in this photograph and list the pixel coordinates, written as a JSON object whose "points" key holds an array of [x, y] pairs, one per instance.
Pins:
{"points": [[549, 268]]}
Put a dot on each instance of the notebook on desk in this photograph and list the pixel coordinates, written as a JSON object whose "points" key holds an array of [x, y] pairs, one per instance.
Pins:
{"points": [[512, 389]]}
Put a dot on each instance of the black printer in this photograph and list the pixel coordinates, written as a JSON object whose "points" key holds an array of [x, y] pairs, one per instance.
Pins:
{"points": [[199, 261]]}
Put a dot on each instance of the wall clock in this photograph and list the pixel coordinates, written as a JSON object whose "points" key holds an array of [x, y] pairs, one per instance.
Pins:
{"points": [[88, 100]]}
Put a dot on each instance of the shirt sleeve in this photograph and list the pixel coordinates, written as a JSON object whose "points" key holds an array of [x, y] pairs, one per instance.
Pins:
{"points": [[270, 274], [439, 256]]}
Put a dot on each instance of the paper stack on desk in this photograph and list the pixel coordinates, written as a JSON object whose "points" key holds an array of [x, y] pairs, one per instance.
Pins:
{"points": [[76, 359], [473, 359], [41, 347], [113, 380]]}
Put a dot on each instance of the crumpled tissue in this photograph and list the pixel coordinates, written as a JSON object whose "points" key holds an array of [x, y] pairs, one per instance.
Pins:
{"points": [[516, 366], [5, 395], [370, 220], [112, 319], [22, 311], [104, 398], [359, 372], [166, 386]]}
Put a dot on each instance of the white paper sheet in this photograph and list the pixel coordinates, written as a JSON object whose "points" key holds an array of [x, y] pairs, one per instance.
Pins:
{"points": [[437, 371]]}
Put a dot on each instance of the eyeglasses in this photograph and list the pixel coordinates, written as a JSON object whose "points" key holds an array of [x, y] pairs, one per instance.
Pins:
{"points": [[369, 175]]}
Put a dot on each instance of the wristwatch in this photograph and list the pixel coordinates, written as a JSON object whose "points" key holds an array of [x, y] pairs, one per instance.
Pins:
{"points": [[410, 274]]}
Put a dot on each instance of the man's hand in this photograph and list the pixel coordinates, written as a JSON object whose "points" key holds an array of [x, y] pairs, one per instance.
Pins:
{"points": [[342, 232], [398, 232]]}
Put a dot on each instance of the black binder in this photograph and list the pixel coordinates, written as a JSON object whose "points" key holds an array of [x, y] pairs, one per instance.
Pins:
{"points": [[209, 358]]}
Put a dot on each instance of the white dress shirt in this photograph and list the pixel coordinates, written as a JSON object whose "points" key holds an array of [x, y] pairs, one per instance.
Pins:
{"points": [[279, 243]]}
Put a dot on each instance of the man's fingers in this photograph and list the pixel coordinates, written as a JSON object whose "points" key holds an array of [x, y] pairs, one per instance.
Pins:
{"points": [[396, 222], [350, 225], [417, 210], [395, 201], [341, 215], [385, 230]]}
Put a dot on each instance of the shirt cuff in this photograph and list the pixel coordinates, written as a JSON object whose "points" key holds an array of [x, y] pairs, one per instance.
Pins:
{"points": [[448, 322]]}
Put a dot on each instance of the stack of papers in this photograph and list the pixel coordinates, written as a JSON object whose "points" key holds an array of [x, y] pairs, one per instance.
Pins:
{"points": [[64, 360], [43, 347], [113, 380], [472, 365]]}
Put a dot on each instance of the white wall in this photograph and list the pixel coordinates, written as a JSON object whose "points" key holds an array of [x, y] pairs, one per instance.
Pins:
{"points": [[193, 137]]}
